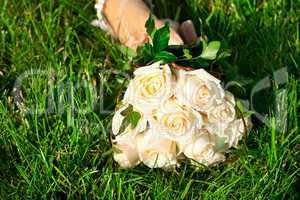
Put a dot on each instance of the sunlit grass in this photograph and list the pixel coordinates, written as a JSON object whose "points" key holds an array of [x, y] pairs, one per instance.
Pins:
{"points": [[65, 153]]}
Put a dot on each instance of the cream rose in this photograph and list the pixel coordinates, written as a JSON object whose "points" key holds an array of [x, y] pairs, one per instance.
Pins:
{"points": [[222, 113], [151, 86], [229, 133], [125, 150], [230, 98], [177, 121], [118, 119], [202, 150], [235, 131], [156, 151], [198, 89]]}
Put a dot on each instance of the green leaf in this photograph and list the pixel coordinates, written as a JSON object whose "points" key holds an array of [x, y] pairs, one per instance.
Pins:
{"points": [[240, 106], [165, 56], [224, 54], [134, 119], [130, 118], [161, 38], [127, 111], [187, 54], [150, 25], [124, 125], [246, 113], [210, 51], [238, 85], [145, 54]]}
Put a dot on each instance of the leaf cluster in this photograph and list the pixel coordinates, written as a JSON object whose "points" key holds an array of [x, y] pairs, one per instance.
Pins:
{"points": [[200, 54]]}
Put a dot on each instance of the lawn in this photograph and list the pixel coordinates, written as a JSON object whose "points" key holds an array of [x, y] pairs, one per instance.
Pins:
{"points": [[58, 80]]}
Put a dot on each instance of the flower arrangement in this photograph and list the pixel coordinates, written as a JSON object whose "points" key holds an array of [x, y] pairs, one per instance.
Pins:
{"points": [[168, 115], [172, 109]]}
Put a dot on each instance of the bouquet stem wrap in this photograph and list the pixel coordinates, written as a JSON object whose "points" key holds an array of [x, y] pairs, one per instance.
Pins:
{"points": [[125, 19]]}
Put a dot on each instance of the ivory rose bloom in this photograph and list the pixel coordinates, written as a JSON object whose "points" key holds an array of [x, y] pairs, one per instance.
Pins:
{"points": [[230, 98], [156, 151], [125, 150], [235, 131], [222, 113], [151, 86], [202, 149], [177, 121], [230, 133], [198, 89]]}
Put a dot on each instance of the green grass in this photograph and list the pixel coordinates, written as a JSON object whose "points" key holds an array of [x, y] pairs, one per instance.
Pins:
{"points": [[66, 154]]}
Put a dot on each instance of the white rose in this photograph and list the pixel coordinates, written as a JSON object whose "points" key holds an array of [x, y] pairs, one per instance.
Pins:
{"points": [[229, 133], [125, 150], [198, 89], [222, 113], [156, 151], [151, 86], [202, 150], [235, 131], [177, 121], [230, 98], [118, 119]]}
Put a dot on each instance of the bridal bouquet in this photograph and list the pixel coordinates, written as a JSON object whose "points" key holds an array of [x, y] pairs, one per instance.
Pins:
{"points": [[170, 115], [173, 109]]}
